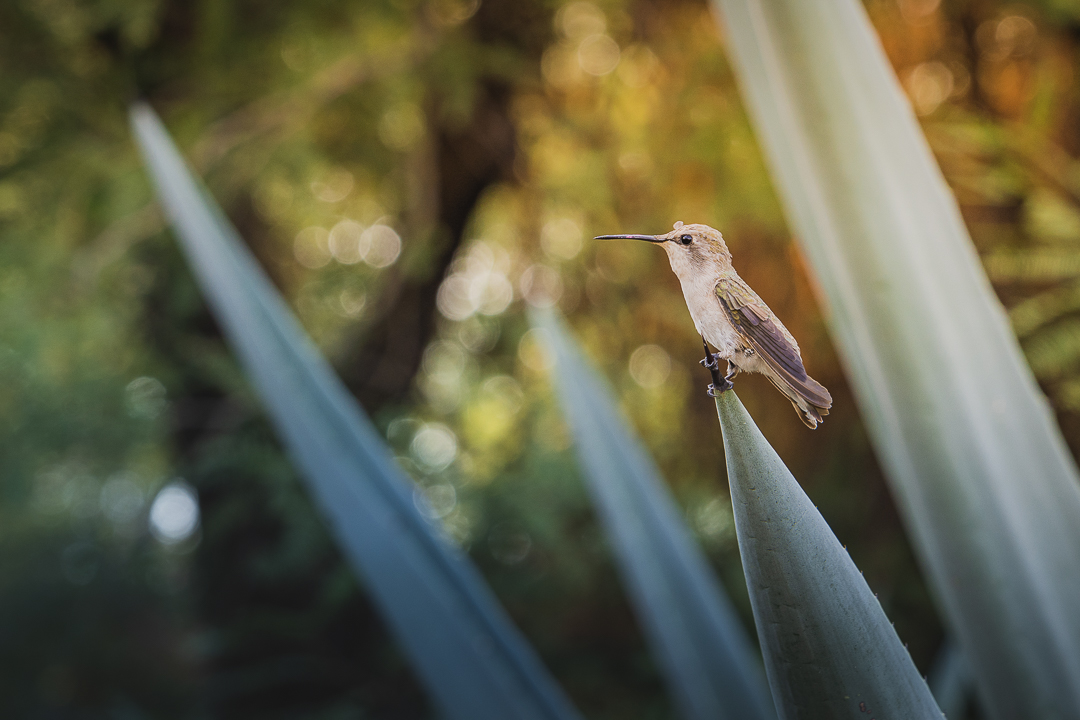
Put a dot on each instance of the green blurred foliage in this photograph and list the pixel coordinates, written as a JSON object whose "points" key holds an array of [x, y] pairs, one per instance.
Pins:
{"points": [[413, 174]]}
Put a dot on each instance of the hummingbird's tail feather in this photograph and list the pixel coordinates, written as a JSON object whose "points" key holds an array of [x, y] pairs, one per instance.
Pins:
{"points": [[775, 353], [809, 397]]}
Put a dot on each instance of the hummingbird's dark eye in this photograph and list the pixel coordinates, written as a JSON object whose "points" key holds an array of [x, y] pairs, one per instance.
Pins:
{"points": [[686, 239]]}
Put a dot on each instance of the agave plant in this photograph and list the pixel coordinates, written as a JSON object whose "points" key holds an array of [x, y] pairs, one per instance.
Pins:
{"points": [[472, 659], [981, 474], [829, 649], [710, 666]]}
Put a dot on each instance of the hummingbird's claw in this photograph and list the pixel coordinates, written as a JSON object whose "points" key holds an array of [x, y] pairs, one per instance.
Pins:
{"points": [[712, 364], [718, 389], [712, 360]]}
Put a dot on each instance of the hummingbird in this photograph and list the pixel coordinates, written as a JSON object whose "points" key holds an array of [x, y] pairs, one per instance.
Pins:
{"points": [[738, 323]]}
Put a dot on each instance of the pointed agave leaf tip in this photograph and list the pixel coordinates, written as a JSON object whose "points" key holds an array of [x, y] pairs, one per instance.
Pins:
{"points": [[977, 464], [472, 660], [695, 635], [827, 643]]}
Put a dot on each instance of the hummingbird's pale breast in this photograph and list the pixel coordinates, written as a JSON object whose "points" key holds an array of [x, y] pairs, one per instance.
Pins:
{"points": [[699, 290], [699, 269]]}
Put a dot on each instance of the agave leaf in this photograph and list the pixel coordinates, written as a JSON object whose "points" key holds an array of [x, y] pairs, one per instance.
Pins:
{"points": [[984, 481], [469, 655], [710, 666], [829, 650]]}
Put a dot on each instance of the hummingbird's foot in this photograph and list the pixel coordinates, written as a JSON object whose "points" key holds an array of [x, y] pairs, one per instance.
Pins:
{"points": [[712, 364], [712, 360], [724, 384], [718, 389]]}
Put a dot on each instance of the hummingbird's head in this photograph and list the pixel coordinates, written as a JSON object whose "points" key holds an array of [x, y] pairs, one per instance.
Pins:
{"points": [[691, 249]]}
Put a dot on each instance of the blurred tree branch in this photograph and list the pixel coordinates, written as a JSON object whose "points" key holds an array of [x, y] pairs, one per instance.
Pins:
{"points": [[452, 171], [445, 178], [287, 112], [459, 165]]}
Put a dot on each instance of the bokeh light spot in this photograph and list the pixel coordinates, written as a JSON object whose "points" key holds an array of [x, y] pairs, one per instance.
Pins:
{"points": [[380, 245], [435, 501], [434, 446], [145, 398], [541, 286], [334, 186], [918, 12], [453, 299], [929, 85], [650, 366], [122, 498], [344, 242], [580, 19], [598, 55], [714, 519], [449, 13], [444, 365], [352, 302], [478, 284], [174, 514], [312, 247], [533, 350]]}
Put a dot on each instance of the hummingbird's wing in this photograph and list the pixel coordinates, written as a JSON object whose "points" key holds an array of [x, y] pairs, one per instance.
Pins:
{"points": [[755, 324]]}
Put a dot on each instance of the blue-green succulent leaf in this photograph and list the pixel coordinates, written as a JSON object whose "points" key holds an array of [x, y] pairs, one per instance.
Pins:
{"points": [[707, 659], [983, 479], [461, 642], [830, 651]]}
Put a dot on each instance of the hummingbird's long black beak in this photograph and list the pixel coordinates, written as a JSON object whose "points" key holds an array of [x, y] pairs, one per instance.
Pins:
{"points": [[646, 238]]}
